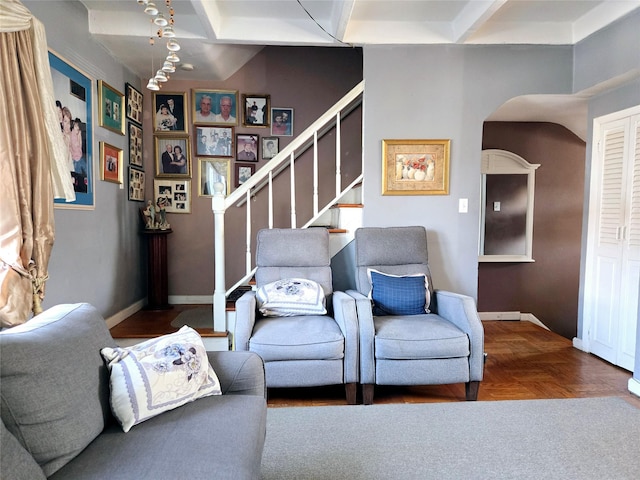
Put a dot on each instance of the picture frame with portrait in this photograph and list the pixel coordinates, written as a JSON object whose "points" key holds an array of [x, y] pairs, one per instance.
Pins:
{"points": [[135, 145], [73, 93], [136, 184], [110, 163], [243, 172], [134, 103], [214, 141], [282, 122], [172, 156], [270, 147], [255, 110], [212, 171], [174, 194], [247, 147], [214, 107], [170, 113], [111, 111]]}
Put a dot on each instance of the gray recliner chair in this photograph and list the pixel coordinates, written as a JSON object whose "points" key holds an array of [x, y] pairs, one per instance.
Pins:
{"points": [[299, 350], [401, 344]]}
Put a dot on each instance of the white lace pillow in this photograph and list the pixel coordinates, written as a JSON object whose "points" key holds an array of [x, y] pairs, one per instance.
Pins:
{"points": [[291, 296], [158, 375]]}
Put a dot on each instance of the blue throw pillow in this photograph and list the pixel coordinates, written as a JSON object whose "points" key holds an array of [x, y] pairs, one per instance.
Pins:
{"points": [[399, 295]]}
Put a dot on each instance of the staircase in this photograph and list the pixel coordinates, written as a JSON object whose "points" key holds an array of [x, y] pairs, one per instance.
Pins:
{"points": [[312, 199]]}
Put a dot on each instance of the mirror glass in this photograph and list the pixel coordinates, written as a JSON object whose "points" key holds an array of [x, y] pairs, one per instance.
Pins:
{"points": [[507, 207]]}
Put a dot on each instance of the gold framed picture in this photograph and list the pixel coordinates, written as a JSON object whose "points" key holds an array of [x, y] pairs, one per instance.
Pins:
{"points": [[212, 171], [415, 167], [111, 111], [110, 163]]}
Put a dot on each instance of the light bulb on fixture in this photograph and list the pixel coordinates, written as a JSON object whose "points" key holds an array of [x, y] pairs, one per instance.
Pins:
{"points": [[173, 46], [160, 76], [168, 32], [160, 20], [151, 9], [168, 67], [153, 85], [143, 2], [173, 58]]}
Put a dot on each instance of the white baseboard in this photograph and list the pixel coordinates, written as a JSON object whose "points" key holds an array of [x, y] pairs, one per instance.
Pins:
{"points": [[191, 299], [634, 386], [579, 344], [114, 320], [511, 316]]}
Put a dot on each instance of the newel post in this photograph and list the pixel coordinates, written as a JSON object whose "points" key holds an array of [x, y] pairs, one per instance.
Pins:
{"points": [[219, 290]]}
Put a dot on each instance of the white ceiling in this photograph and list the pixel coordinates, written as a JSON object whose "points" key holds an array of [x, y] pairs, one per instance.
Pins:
{"points": [[219, 36]]}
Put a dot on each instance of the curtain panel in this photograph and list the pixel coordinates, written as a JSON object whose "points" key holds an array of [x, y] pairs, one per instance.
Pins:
{"points": [[33, 168]]}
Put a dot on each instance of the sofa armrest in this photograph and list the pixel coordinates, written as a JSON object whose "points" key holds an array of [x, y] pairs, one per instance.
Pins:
{"points": [[245, 320], [240, 373], [344, 313], [462, 312], [367, 332]]}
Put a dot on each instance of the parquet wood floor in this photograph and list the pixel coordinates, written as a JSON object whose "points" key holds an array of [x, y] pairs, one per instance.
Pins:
{"points": [[524, 361]]}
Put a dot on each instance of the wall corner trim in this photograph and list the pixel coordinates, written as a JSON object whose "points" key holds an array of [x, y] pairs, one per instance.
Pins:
{"points": [[634, 386]]}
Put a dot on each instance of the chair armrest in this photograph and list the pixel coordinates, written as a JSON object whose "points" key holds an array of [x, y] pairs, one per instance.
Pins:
{"points": [[344, 313], [367, 335], [461, 310], [240, 373], [245, 319]]}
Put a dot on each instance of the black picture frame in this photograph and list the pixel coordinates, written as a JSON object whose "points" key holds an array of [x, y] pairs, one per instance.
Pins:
{"points": [[134, 103], [256, 110], [247, 147]]}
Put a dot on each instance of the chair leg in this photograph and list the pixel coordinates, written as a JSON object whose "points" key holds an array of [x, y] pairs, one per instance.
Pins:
{"points": [[471, 389], [367, 393], [351, 391]]}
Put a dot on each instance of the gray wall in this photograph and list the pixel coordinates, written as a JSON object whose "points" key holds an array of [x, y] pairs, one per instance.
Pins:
{"points": [[98, 255], [446, 92]]}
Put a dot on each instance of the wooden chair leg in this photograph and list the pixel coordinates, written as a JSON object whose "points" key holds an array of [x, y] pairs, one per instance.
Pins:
{"points": [[367, 393], [351, 391], [471, 389]]}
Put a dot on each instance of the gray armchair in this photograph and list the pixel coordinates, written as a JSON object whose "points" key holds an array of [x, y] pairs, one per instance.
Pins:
{"points": [[441, 347], [300, 350]]}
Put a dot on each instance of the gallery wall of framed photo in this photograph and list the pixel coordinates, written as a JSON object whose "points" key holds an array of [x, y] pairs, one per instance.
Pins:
{"points": [[204, 135]]}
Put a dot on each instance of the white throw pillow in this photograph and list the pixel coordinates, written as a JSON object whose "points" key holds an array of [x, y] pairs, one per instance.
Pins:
{"points": [[290, 297], [158, 375]]}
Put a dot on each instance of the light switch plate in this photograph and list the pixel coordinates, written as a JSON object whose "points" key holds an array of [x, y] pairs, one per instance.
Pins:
{"points": [[463, 205]]}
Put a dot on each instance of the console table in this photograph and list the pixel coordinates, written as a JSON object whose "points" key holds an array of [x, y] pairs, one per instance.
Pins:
{"points": [[158, 280]]}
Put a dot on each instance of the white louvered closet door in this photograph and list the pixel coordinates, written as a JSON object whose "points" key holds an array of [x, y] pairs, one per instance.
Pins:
{"points": [[612, 281]]}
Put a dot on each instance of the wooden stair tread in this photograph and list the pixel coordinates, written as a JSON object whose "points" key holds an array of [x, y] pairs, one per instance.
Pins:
{"points": [[337, 230], [348, 205]]}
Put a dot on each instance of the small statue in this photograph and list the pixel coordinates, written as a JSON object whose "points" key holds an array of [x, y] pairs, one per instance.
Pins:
{"points": [[162, 205], [150, 215]]}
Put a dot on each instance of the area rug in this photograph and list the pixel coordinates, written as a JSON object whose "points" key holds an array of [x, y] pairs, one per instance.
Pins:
{"points": [[592, 438], [198, 317]]}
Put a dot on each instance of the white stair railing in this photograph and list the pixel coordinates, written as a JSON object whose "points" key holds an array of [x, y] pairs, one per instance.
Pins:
{"points": [[264, 178]]}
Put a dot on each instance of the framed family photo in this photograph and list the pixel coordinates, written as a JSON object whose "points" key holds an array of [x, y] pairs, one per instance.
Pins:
{"points": [[246, 147], [110, 163], [214, 107], [256, 110], [136, 184], [134, 103], [243, 172], [170, 113], [135, 145], [214, 141], [74, 102], [172, 156], [270, 147], [282, 124], [175, 195], [110, 108], [212, 171], [415, 167]]}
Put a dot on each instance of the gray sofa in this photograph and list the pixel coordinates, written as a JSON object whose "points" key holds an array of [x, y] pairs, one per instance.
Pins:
{"points": [[57, 423]]}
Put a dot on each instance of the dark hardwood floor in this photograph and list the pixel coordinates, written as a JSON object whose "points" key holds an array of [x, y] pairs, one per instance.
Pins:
{"points": [[524, 362]]}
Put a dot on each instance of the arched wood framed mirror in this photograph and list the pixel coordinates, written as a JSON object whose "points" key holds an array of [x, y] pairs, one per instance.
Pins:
{"points": [[508, 186]]}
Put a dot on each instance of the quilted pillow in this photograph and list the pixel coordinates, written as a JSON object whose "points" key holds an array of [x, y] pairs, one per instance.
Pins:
{"points": [[291, 296], [158, 375], [399, 294]]}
